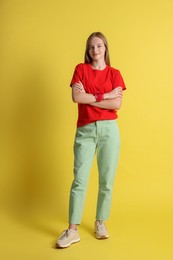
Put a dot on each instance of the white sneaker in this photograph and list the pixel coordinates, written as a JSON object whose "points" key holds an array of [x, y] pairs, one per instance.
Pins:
{"points": [[67, 238], [100, 230]]}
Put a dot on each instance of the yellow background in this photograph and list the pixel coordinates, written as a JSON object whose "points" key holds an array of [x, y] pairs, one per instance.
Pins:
{"points": [[41, 42]]}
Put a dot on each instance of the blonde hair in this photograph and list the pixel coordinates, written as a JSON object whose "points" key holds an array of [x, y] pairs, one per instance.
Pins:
{"points": [[100, 35]]}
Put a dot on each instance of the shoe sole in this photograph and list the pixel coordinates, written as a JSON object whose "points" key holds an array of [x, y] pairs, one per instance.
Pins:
{"points": [[102, 237], [65, 246]]}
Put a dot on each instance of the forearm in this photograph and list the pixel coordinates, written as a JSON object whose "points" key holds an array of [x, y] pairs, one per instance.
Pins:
{"points": [[111, 100], [112, 104], [83, 98]]}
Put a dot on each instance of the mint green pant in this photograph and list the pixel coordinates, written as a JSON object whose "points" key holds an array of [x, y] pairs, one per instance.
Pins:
{"points": [[102, 138]]}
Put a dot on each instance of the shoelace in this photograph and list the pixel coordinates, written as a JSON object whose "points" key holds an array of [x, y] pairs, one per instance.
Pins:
{"points": [[100, 226], [64, 234]]}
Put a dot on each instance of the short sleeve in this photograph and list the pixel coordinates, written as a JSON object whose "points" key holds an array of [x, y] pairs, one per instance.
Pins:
{"points": [[118, 80], [77, 75]]}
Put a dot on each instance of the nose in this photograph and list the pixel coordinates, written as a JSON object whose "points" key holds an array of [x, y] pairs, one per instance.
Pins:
{"points": [[95, 49]]}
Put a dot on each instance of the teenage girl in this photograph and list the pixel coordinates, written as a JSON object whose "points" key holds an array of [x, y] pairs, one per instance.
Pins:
{"points": [[98, 89]]}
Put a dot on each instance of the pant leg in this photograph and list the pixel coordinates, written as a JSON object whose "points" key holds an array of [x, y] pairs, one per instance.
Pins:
{"points": [[107, 159], [84, 150]]}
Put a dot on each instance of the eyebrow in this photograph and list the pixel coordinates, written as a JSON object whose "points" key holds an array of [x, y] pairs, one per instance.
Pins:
{"points": [[95, 44]]}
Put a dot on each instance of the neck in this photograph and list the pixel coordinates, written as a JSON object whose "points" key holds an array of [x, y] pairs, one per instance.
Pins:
{"points": [[98, 65]]}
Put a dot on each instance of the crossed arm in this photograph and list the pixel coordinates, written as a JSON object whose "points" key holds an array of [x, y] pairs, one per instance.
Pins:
{"points": [[112, 100]]}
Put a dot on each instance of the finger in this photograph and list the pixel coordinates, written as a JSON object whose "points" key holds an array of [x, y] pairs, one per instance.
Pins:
{"points": [[79, 89], [120, 91], [80, 83], [76, 87], [77, 84]]}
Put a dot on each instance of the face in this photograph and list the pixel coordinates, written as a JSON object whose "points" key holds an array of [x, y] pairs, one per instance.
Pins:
{"points": [[97, 49]]}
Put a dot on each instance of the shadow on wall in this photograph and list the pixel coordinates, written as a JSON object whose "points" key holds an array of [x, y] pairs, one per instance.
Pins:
{"points": [[31, 159]]}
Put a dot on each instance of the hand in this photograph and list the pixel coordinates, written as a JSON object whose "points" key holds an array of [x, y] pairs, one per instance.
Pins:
{"points": [[115, 93], [79, 87]]}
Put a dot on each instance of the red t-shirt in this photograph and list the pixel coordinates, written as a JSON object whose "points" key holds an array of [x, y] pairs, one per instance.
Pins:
{"points": [[95, 81]]}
